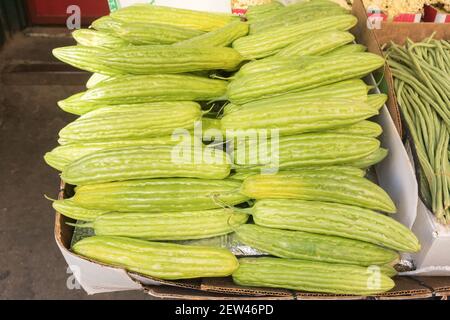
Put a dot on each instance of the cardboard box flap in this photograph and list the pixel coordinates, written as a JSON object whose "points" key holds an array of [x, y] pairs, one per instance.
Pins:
{"points": [[187, 284], [95, 277], [406, 287], [396, 172], [399, 32]]}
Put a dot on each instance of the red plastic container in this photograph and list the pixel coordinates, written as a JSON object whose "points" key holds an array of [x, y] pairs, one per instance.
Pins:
{"points": [[55, 12], [434, 15]]}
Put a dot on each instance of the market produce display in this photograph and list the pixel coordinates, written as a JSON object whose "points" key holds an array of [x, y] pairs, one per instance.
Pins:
{"points": [[422, 84], [142, 173]]}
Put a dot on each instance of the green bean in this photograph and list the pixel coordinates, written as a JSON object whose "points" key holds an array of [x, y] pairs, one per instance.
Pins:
{"points": [[447, 180], [422, 53], [421, 44], [416, 120], [421, 116], [446, 57], [446, 44], [440, 56], [422, 90], [438, 203], [425, 120], [422, 83], [428, 57], [446, 173], [423, 159], [422, 74], [436, 72], [440, 77], [425, 191], [401, 55], [410, 64]]}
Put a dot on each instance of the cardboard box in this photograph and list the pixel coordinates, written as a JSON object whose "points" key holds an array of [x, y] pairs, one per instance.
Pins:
{"points": [[395, 174], [434, 258]]}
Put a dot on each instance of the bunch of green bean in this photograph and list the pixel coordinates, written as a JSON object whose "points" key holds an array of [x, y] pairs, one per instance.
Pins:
{"points": [[422, 83]]}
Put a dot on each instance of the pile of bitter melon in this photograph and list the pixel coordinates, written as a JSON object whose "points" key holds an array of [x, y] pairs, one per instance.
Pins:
{"points": [[281, 97]]}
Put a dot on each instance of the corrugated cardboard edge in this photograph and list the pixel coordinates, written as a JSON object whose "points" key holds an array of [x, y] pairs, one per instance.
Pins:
{"points": [[225, 289], [166, 292], [440, 285]]}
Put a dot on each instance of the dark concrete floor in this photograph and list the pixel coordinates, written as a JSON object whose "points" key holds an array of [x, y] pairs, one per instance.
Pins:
{"points": [[31, 266]]}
